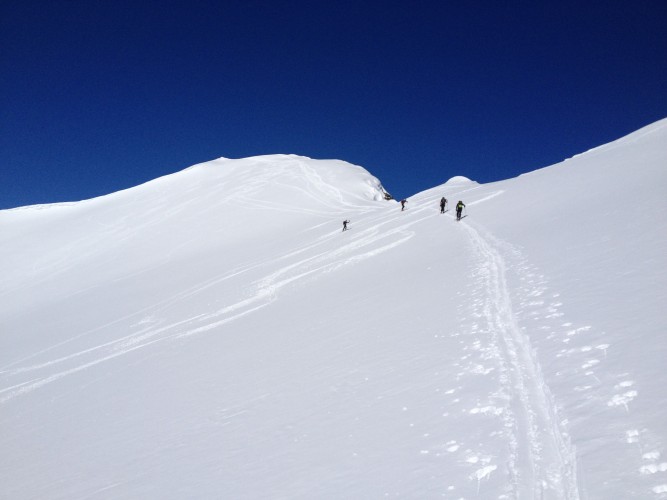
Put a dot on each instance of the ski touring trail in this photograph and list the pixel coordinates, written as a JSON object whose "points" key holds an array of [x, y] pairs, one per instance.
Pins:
{"points": [[541, 461]]}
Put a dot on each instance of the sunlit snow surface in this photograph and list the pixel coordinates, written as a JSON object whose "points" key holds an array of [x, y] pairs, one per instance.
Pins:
{"points": [[215, 334]]}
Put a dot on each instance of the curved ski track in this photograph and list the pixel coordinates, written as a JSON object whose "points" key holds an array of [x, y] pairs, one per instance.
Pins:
{"points": [[325, 256]]}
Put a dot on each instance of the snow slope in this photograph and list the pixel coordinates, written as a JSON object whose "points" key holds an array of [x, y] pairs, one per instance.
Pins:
{"points": [[214, 334]]}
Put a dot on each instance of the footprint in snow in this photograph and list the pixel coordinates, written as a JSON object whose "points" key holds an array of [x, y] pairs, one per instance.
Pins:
{"points": [[483, 473], [590, 363], [632, 436], [622, 399], [452, 446], [653, 468], [487, 410]]}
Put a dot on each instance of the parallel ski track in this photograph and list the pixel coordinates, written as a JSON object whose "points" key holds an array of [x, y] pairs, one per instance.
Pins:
{"points": [[542, 461]]}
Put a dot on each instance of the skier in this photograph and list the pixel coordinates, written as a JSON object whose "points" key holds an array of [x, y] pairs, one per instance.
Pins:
{"points": [[345, 223], [443, 202], [459, 208], [403, 202]]}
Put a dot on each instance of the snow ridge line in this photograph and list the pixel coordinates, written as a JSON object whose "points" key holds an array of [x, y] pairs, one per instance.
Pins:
{"points": [[543, 461]]}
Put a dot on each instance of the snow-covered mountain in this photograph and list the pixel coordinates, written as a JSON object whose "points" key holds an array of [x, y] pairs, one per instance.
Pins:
{"points": [[214, 334]]}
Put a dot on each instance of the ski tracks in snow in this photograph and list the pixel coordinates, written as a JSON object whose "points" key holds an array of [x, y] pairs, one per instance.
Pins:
{"points": [[262, 281], [541, 461]]}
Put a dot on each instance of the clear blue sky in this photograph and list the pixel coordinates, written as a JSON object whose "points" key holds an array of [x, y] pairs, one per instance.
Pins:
{"points": [[98, 96]]}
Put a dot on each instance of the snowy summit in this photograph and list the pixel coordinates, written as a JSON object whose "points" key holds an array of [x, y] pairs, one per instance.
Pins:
{"points": [[458, 179], [216, 334]]}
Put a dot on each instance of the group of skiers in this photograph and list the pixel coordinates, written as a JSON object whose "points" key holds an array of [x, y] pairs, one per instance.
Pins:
{"points": [[459, 207], [443, 204]]}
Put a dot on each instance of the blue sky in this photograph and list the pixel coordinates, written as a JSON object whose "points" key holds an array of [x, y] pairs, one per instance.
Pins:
{"points": [[100, 96]]}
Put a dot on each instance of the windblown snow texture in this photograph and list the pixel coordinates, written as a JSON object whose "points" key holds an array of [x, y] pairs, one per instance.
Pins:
{"points": [[214, 334]]}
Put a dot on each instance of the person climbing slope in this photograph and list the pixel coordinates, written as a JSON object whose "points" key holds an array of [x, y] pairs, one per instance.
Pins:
{"points": [[403, 202], [443, 203], [345, 223], [459, 208]]}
